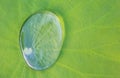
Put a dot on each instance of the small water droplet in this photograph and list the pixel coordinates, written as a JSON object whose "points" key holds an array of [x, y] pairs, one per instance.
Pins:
{"points": [[41, 39]]}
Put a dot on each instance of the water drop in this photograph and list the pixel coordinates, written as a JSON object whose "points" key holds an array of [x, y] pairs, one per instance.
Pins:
{"points": [[41, 39]]}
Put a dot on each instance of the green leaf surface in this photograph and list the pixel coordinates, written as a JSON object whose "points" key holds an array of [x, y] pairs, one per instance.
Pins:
{"points": [[92, 44]]}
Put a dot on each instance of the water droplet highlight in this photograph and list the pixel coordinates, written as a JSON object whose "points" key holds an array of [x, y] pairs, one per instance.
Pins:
{"points": [[41, 39]]}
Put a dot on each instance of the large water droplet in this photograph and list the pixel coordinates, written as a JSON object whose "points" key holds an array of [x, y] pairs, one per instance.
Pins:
{"points": [[41, 39]]}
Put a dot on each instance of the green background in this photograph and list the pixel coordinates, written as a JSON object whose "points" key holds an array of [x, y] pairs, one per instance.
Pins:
{"points": [[92, 44]]}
